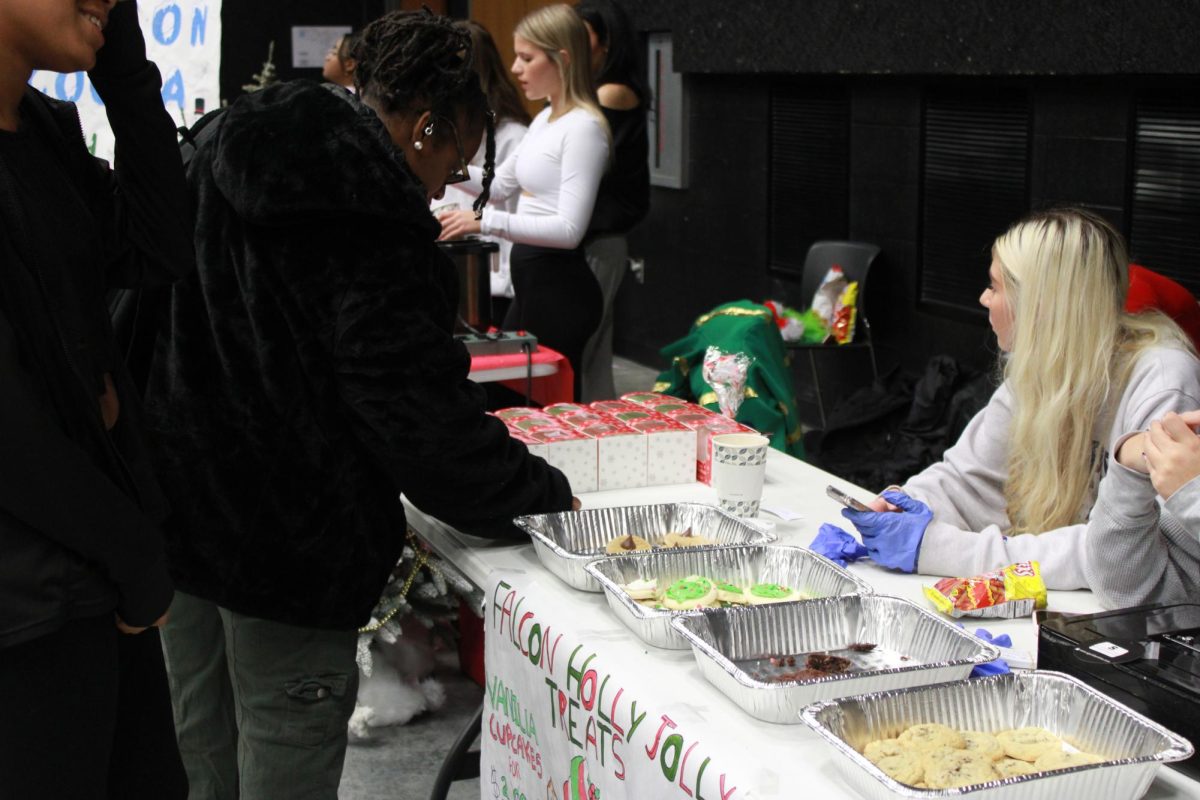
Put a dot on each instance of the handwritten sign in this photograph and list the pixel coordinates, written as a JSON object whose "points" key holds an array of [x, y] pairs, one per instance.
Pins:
{"points": [[560, 723], [183, 37]]}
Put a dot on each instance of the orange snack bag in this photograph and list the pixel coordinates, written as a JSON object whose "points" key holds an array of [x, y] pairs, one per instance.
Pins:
{"points": [[1010, 592]]}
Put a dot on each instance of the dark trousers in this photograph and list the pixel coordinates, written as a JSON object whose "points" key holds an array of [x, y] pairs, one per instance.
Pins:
{"points": [[85, 714], [557, 300]]}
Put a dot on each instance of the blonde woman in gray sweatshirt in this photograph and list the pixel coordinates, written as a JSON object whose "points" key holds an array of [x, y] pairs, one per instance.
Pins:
{"points": [[1023, 482]]}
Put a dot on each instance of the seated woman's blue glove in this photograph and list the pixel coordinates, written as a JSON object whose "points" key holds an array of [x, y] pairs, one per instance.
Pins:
{"points": [[838, 546], [997, 667], [893, 538]]}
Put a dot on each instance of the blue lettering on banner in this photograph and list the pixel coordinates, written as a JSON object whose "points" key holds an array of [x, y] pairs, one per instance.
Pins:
{"points": [[160, 18], [172, 91], [199, 25], [60, 86]]}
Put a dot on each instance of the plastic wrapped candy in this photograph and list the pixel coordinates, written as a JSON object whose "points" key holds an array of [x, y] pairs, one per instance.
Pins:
{"points": [[1010, 592], [726, 374], [844, 316]]}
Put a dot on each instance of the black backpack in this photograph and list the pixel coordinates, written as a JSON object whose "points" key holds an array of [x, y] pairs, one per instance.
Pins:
{"points": [[139, 314]]}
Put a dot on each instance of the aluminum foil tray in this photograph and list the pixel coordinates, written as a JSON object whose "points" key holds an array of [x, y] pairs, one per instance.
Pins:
{"points": [[567, 541], [734, 648], [1080, 715], [803, 570]]}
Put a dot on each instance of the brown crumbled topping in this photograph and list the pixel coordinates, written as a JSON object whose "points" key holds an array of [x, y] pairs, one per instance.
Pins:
{"points": [[824, 662]]}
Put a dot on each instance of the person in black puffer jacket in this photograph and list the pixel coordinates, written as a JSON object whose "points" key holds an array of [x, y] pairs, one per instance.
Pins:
{"points": [[308, 378], [83, 576]]}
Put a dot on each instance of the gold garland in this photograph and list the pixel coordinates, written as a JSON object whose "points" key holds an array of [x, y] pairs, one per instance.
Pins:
{"points": [[421, 559], [735, 311], [711, 397]]}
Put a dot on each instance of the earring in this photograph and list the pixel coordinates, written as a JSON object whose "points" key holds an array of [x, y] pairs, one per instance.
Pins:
{"points": [[429, 129], [418, 145]]}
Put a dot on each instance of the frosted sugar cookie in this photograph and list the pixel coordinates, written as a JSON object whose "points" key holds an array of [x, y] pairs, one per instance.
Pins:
{"points": [[1061, 759], [642, 589], [983, 744], [881, 748], [690, 593], [626, 544], [731, 593], [1028, 743], [763, 593], [930, 735], [904, 766], [947, 768]]}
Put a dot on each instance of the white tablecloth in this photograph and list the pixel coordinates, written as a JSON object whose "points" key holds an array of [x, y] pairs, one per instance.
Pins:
{"points": [[762, 760]]}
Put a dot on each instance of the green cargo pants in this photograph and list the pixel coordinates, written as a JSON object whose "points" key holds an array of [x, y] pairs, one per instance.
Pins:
{"points": [[260, 707]]}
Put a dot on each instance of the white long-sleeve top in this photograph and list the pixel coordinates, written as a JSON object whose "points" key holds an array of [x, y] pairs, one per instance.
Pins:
{"points": [[965, 489], [509, 134], [556, 170]]}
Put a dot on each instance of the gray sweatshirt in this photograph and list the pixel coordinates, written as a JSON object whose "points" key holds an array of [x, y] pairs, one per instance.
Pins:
{"points": [[1141, 549], [966, 489]]}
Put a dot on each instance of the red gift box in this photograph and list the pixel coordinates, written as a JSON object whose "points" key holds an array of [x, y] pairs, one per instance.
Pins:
{"points": [[706, 424], [518, 412], [572, 452], [614, 406], [561, 409]]}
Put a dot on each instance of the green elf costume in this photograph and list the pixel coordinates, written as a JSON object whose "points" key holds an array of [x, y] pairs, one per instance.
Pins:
{"points": [[746, 327]]}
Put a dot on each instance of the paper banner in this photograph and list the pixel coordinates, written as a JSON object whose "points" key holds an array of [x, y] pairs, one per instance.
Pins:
{"points": [[183, 37], [561, 721]]}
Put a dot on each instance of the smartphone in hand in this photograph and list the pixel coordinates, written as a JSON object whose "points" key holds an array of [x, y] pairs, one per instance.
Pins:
{"points": [[845, 499]]}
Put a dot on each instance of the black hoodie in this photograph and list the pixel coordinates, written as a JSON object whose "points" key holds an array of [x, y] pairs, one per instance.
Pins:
{"points": [[78, 504], [310, 374]]}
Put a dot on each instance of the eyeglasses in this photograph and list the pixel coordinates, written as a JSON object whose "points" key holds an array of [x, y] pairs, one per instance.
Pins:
{"points": [[459, 174]]}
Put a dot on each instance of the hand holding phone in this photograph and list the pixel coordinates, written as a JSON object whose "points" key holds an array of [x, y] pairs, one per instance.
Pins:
{"points": [[845, 499]]}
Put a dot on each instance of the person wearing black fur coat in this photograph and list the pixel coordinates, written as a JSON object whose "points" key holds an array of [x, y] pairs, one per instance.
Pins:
{"points": [[308, 377]]}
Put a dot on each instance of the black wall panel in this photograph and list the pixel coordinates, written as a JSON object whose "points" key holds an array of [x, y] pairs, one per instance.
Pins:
{"points": [[808, 180], [1165, 202], [975, 183]]}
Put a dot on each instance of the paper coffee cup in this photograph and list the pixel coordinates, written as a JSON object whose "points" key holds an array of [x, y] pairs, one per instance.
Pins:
{"points": [[739, 465]]}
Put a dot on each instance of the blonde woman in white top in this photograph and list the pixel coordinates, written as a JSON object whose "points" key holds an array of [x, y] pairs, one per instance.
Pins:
{"points": [[556, 172]]}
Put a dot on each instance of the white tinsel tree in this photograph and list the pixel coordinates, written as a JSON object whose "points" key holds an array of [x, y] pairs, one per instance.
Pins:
{"points": [[262, 80], [427, 589]]}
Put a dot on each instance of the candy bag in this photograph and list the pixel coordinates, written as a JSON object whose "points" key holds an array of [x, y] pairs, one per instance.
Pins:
{"points": [[844, 316], [726, 374], [1010, 592]]}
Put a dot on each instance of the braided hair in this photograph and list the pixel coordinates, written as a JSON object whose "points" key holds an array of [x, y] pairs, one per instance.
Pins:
{"points": [[410, 61]]}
